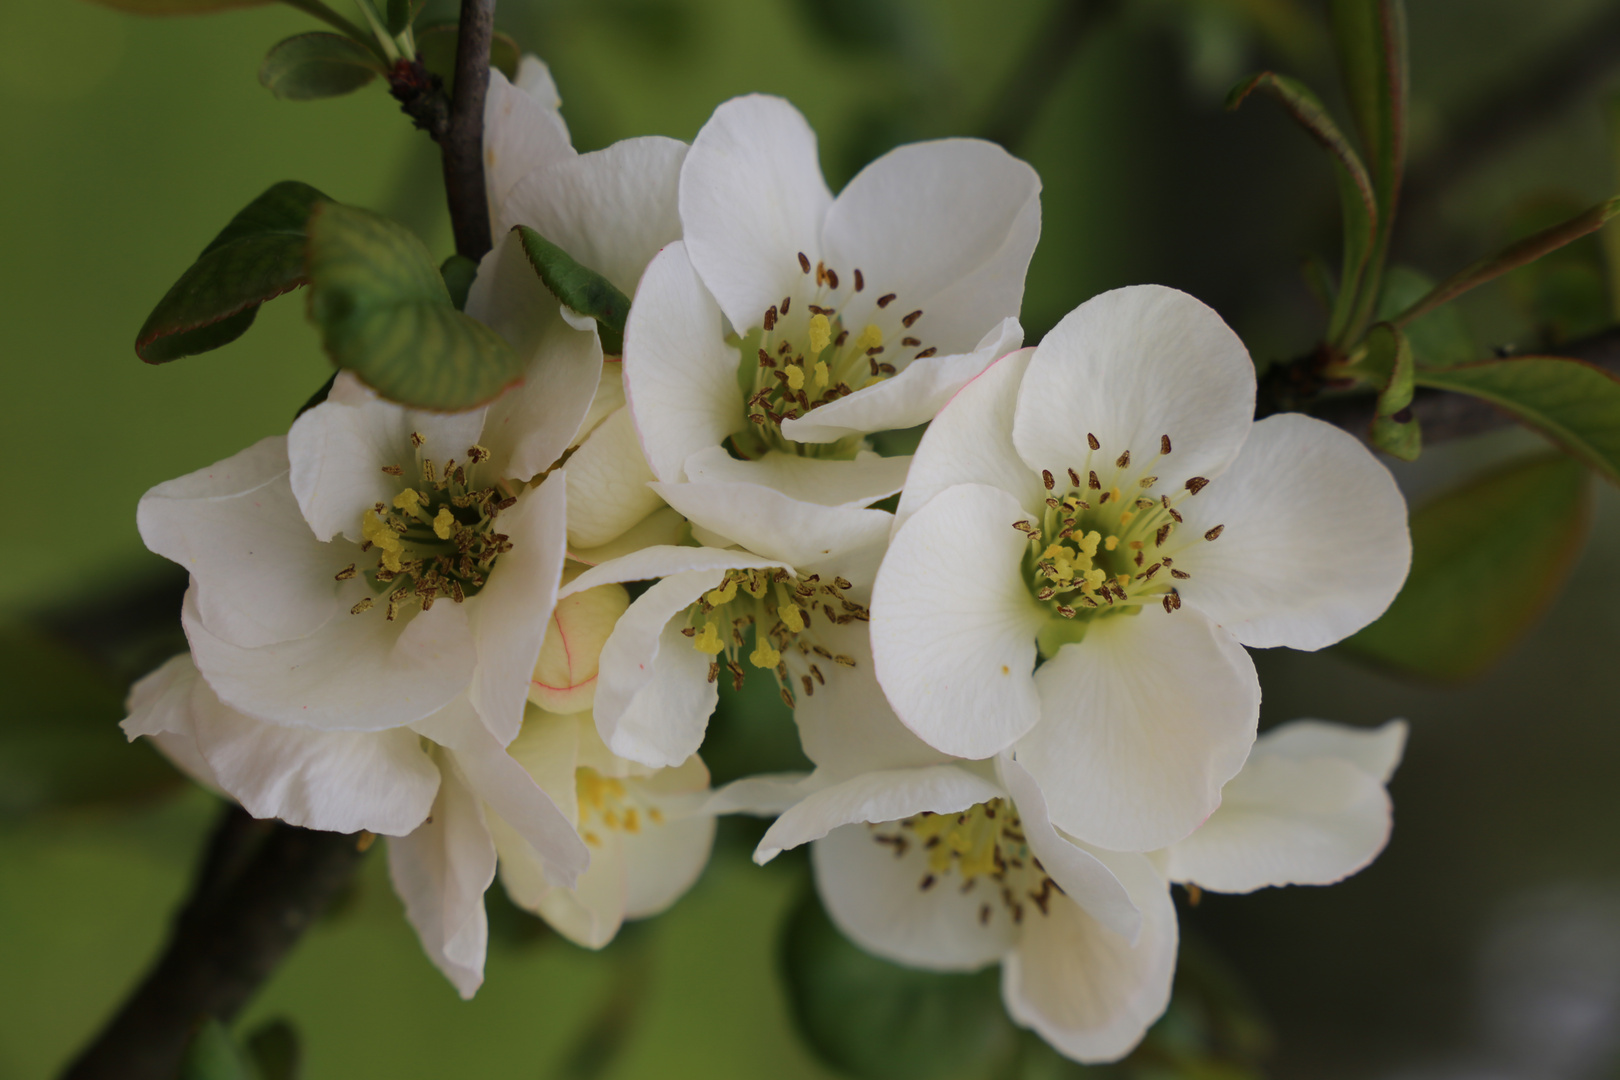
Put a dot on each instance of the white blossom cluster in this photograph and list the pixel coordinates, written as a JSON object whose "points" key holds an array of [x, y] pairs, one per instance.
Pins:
{"points": [[1025, 691]]}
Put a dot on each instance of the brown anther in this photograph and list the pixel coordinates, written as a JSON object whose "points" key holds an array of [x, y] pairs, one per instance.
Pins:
{"points": [[1215, 532], [832, 278], [1092, 482], [1046, 478], [1179, 575], [1053, 503], [926, 353], [1091, 441], [1164, 531], [1145, 504], [1176, 514], [714, 671], [1046, 592], [1105, 496], [874, 350], [910, 319], [1164, 444], [804, 262], [885, 300], [910, 342], [838, 342], [393, 470], [1147, 575], [886, 369], [821, 272], [1148, 481], [817, 309], [786, 301], [345, 574], [1023, 526], [363, 605], [1066, 611], [809, 687], [417, 440], [1197, 484], [770, 318], [689, 631], [860, 280], [846, 661], [787, 697]]}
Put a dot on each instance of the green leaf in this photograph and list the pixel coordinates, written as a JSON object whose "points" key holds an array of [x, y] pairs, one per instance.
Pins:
{"points": [[177, 7], [60, 745], [1514, 255], [1370, 36], [874, 1019], [459, 273], [317, 65], [275, 1050], [212, 1055], [578, 286], [385, 314], [1571, 402], [1439, 338], [257, 257], [1393, 429], [1357, 203], [1487, 559], [436, 49], [400, 14]]}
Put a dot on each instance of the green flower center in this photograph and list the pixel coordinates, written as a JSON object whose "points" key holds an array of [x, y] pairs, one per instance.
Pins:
{"points": [[437, 541], [985, 843]]}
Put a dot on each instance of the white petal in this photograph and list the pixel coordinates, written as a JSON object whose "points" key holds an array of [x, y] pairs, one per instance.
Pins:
{"points": [[766, 795], [1375, 751], [609, 397], [653, 696], [661, 528], [534, 78], [338, 781], [875, 897], [338, 451], [1141, 725], [776, 526], [856, 484], [948, 225], [530, 425], [846, 724], [970, 442], [662, 861], [591, 913], [607, 484], [662, 560], [1131, 366], [1084, 877], [508, 790], [523, 132], [875, 797], [261, 576], [1284, 821], [679, 374], [564, 677], [910, 398], [441, 871], [159, 707], [1315, 544], [752, 198], [1085, 989], [611, 209], [357, 673], [953, 624], [510, 615]]}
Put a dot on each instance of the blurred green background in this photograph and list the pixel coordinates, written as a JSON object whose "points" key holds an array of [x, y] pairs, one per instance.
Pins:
{"points": [[1486, 941]]}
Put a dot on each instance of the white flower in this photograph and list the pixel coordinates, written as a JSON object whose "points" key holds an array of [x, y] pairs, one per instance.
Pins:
{"points": [[954, 865], [1309, 808], [648, 830], [1105, 503], [787, 323], [372, 566], [434, 787]]}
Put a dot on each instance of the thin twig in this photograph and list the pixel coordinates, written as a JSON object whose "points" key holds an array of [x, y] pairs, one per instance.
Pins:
{"points": [[260, 886], [463, 143], [1037, 73]]}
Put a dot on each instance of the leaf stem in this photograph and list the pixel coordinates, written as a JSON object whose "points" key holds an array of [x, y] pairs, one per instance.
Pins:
{"points": [[333, 19], [379, 30], [463, 143]]}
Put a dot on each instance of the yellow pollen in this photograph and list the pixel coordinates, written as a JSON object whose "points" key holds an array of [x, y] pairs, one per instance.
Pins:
{"points": [[444, 523], [1088, 543], [1094, 579], [756, 584], [408, 500], [1125, 518], [725, 594], [820, 333], [795, 376], [1111, 543], [792, 617], [591, 839], [655, 815], [708, 640], [822, 377], [632, 821], [870, 338], [764, 654], [1113, 493]]}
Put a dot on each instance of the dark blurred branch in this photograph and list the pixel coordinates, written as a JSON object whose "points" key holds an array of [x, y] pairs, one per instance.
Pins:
{"points": [[463, 142], [1039, 70], [1452, 416], [1521, 107], [259, 887]]}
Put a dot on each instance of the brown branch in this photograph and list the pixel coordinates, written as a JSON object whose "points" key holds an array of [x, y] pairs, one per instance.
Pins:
{"points": [[1036, 73], [463, 142], [259, 887]]}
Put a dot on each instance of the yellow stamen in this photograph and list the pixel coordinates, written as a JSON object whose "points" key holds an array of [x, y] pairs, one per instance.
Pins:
{"points": [[870, 338], [795, 376], [444, 523], [820, 333], [408, 500], [792, 617], [725, 594], [708, 640], [822, 377], [764, 655]]}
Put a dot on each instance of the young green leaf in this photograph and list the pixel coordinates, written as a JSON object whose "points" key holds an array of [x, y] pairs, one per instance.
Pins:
{"points": [[1357, 203], [459, 273], [317, 65], [1487, 559], [1393, 429], [436, 49], [384, 313], [257, 257], [213, 1055], [1370, 36], [400, 14], [578, 286], [1525, 251], [1571, 402], [879, 1021], [1438, 339]]}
